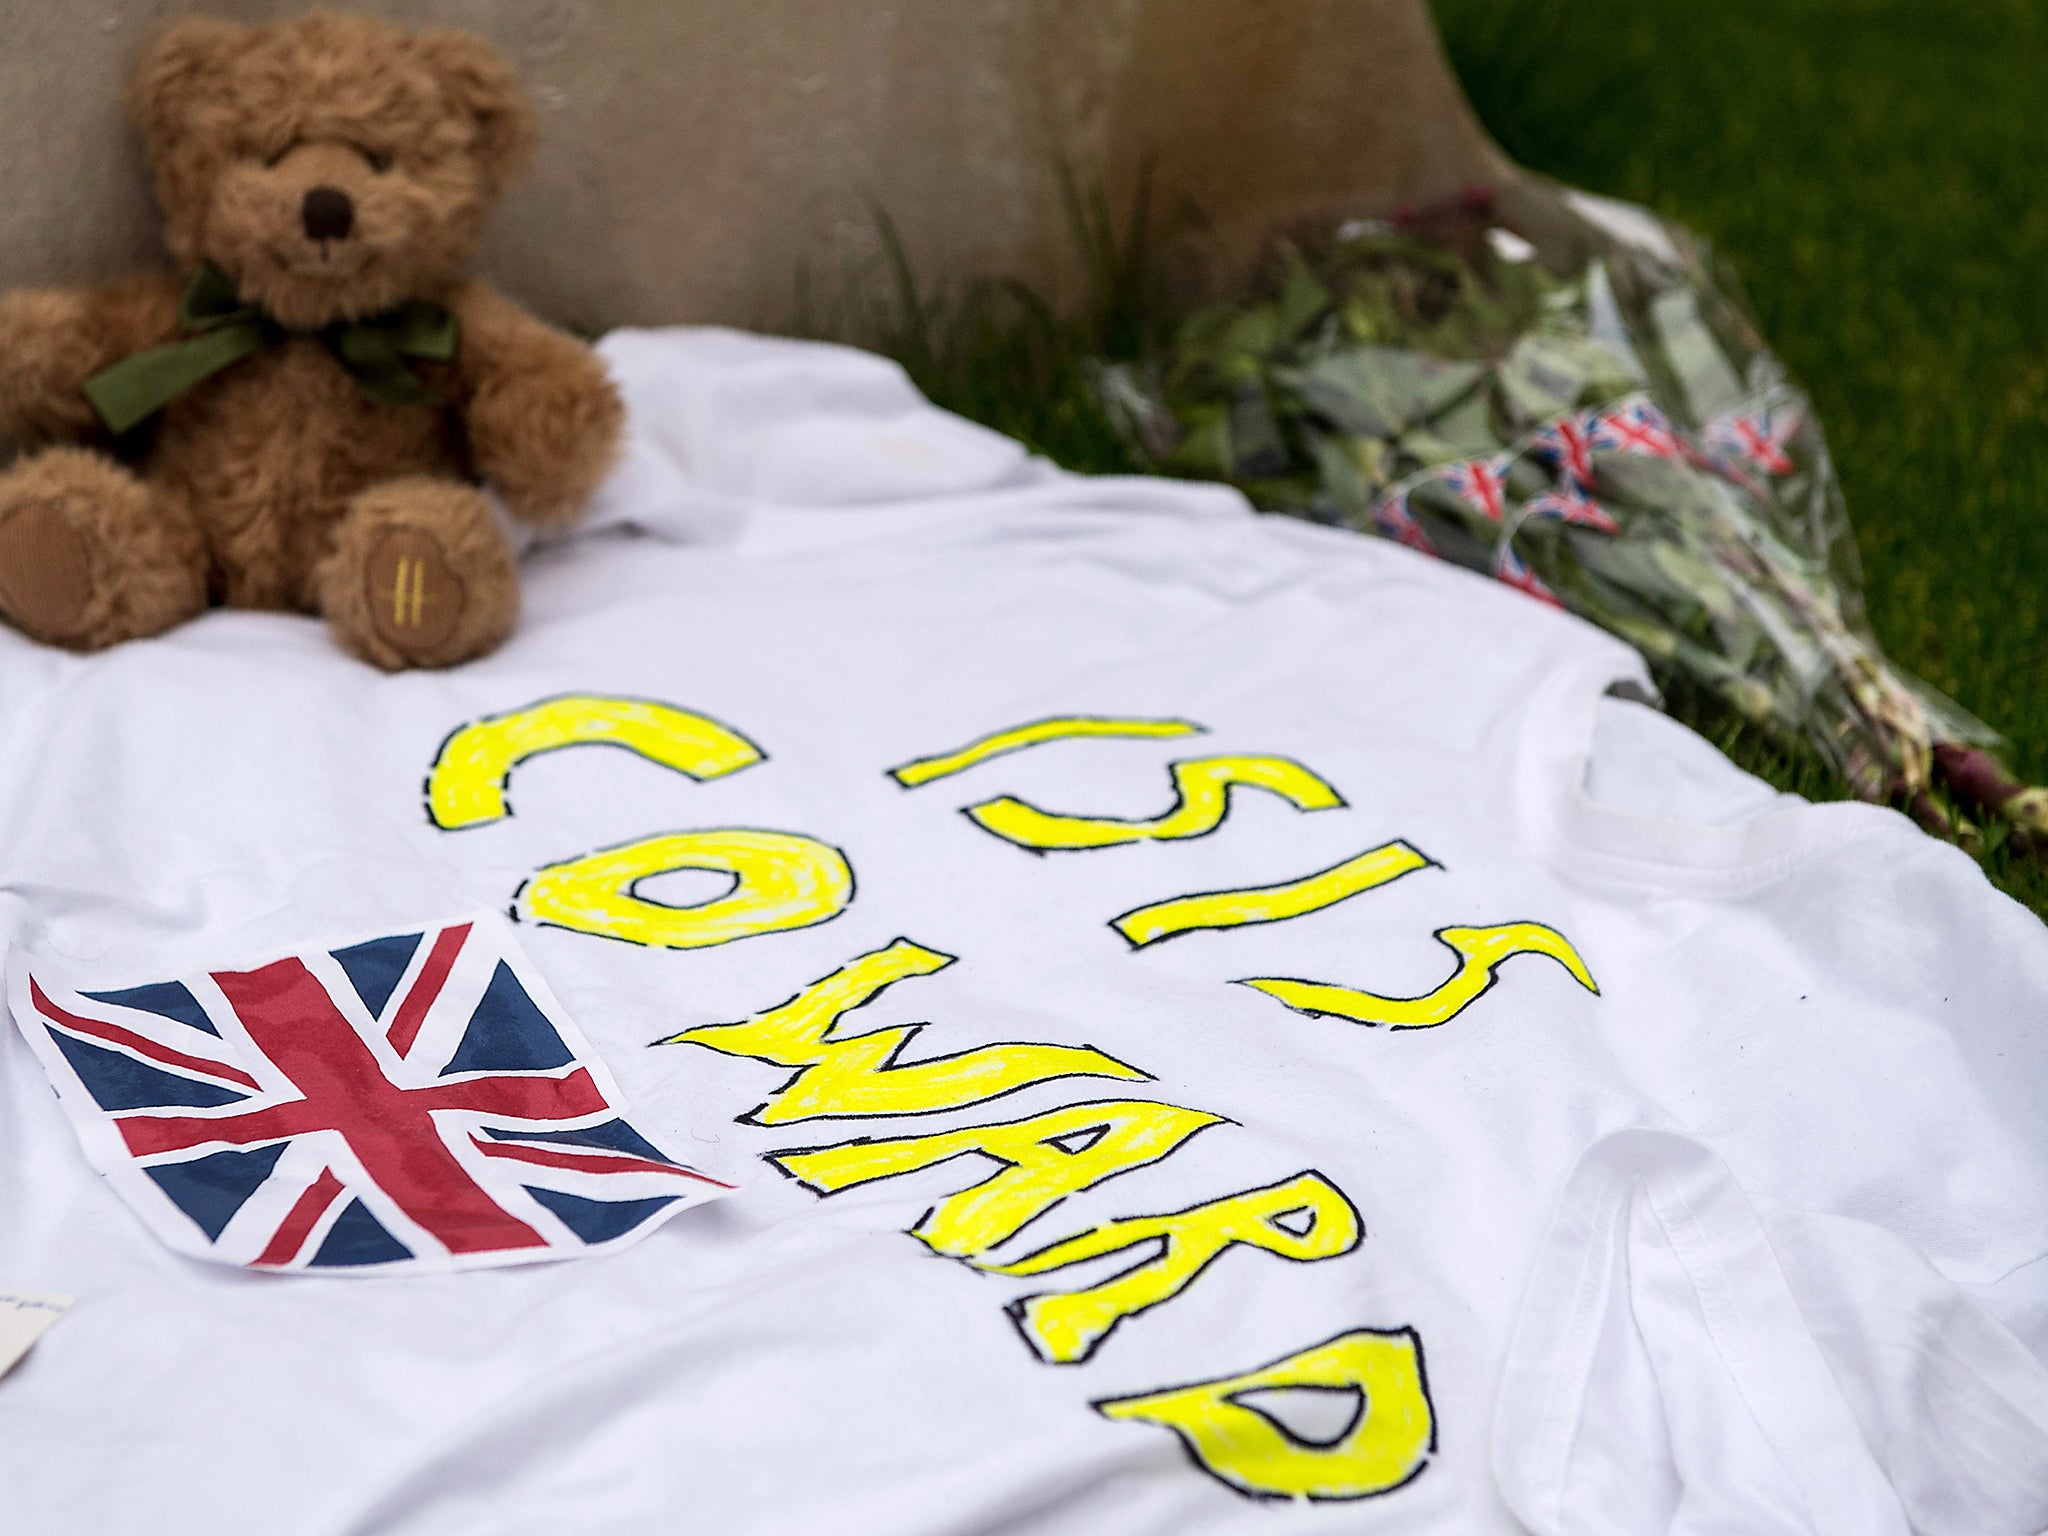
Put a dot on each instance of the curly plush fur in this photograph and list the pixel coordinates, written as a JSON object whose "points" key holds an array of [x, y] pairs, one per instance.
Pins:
{"points": [[280, 482]]}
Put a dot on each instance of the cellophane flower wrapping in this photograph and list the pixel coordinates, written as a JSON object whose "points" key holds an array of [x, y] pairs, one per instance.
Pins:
{"points": [[1596, 423]]}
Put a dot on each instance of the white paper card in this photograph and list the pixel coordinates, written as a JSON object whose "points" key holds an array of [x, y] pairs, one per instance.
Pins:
{"points": [[23, 1320]]}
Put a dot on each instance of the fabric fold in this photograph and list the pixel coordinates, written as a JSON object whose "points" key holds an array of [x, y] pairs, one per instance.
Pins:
{"points": [[1682, 1362]]}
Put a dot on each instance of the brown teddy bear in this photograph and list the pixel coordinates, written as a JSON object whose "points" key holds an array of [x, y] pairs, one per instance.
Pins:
{"points": [[298, 416]]}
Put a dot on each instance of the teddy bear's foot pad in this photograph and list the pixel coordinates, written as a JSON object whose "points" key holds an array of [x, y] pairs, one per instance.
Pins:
{"points": [[45, 571], [419, 575], [415, 598]]}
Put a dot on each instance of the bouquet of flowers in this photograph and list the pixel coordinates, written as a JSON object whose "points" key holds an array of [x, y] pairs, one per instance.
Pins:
{"points": [[1589, 418]]}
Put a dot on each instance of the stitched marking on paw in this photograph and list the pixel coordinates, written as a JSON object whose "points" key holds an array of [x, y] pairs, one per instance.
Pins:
{"points": [[416, 600]]}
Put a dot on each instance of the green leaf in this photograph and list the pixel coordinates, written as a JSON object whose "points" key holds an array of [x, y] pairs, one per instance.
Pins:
{"points": [[1379, 391]]}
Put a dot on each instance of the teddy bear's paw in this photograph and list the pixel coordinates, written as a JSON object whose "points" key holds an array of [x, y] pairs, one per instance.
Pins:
{"points": [[90, 555], [420, 576], [415, 597], [45, 571]]}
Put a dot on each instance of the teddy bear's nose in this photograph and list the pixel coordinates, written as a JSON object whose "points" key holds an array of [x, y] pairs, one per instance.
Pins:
{"points": [[327, 214]]}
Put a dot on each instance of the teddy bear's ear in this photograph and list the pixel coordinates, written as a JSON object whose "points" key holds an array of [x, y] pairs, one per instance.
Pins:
{"points": [[177, 99], [480, 82], [181, 69]]}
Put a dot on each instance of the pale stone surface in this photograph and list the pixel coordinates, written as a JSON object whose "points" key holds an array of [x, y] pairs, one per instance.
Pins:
{"points": [[698, 153]]}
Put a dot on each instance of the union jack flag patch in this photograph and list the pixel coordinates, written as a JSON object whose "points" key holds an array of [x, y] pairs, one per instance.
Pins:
{"points": [[411, 1102]]}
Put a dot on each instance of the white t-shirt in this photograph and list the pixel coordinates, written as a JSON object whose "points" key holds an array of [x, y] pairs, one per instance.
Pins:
{"points": [[1191, 1045]]}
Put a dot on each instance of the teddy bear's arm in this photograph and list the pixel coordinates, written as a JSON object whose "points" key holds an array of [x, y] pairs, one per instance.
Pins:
{"points": [[543, 419], [53, 339]]}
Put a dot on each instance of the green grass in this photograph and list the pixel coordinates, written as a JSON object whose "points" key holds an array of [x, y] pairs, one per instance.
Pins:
{"points": [[1870, 171]]}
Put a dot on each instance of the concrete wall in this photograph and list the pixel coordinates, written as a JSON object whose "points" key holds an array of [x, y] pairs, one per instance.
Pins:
{"points": [[698, 152]]}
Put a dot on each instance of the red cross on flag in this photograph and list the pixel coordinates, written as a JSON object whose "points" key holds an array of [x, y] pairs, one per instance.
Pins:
{"points": [[1567, 446], [1756, 437], [1393, 518], [1511, 568], [414, 1101], [1634, 425], [1481, 483], [1572, 506]]}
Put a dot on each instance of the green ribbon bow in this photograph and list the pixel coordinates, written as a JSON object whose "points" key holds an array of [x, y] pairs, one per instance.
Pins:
{"points": [[225, 330]]}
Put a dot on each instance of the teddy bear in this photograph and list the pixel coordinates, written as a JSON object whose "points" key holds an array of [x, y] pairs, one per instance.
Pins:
{"points": [[303, 413]]}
